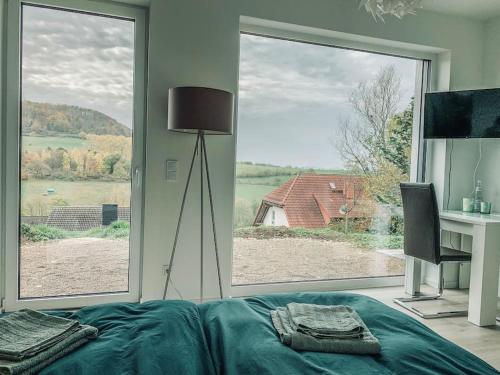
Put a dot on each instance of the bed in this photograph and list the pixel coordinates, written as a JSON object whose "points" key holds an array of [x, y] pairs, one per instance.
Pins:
{"points": [[159, 337], [236, 336], [242, 340]]}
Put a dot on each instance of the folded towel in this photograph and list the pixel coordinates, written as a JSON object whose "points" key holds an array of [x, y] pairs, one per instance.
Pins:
{"points": [[365, 343], [324, 321], [25, 333], [36, 363]]}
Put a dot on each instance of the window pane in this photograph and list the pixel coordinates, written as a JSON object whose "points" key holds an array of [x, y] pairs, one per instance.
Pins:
{"points": [[324, 138], [75, 152]]}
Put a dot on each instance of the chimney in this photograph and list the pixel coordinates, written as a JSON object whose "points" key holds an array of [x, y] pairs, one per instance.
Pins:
{"points": [[109, 213]]}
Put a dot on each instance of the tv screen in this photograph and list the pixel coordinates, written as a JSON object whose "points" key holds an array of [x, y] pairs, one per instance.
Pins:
{"points": [[462, 114]]}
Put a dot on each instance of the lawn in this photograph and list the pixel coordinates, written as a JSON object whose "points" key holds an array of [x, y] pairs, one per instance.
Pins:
{"points": [[76, 193], [251, 192], [41, 143]]}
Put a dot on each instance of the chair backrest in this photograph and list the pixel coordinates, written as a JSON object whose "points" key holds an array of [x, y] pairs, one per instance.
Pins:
{"points": [[421, 222]]}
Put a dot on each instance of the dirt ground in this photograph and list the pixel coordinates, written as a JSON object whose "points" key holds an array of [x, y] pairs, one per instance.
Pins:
{"points": [[94, 265], [297, 259], [74, 266]]}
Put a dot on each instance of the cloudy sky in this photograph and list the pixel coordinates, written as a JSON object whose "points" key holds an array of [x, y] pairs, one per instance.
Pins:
{"points": [[293, 96], [78, 59]]}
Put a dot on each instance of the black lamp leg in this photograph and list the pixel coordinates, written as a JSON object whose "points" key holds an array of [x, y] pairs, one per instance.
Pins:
{"points": [[172, 254], [204, 149], [202, 136]]}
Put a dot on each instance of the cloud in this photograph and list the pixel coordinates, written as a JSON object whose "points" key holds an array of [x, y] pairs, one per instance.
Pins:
{"points": [[79, 59], [292, 97]]}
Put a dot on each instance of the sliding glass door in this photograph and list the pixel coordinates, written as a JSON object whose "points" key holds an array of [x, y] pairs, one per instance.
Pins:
{"points": [[79, 152]]}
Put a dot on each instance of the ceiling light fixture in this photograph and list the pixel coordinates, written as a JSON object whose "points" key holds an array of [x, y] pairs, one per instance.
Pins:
{"points": [[398, 8]]}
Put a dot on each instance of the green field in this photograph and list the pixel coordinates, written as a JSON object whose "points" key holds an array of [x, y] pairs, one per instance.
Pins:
{"points": [[35, 195], [31, 143], [252, 192]]}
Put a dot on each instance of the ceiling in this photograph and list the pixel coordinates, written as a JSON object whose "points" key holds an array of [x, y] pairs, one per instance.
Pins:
{"points": [[478, 9]]}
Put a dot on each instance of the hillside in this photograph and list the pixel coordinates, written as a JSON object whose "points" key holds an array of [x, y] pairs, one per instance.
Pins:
{"points": [[44, 119]]}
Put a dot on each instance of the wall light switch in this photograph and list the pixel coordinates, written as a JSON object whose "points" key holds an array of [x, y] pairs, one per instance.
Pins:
{"points": [[171, 170]]}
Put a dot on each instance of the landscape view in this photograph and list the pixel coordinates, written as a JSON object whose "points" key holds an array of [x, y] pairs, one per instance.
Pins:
{"points": [[324, 138], [75, 153]]}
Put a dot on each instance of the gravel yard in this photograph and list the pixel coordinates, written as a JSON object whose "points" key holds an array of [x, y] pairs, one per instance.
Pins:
{"points": [[298, 259], [74, 266], [94, 265]]}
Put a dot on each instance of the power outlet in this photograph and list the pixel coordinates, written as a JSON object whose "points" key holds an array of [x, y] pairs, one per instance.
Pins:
{"points": [[164, 269]]}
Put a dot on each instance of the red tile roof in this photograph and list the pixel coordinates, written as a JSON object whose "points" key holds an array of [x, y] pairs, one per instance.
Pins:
{"points": [[312, 200]]}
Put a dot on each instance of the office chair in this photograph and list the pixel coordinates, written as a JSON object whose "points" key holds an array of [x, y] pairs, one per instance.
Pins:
{"points": [[422, 240]]}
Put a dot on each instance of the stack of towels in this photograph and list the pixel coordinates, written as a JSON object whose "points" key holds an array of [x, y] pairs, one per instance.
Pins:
{"points": [[320, 328], [31, 340]]}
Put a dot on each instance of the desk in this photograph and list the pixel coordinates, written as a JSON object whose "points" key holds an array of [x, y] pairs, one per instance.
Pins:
{"points": [[485, 263]]}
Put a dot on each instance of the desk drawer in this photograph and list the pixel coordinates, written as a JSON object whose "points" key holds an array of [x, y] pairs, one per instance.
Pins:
{"points": [[456, 226]]}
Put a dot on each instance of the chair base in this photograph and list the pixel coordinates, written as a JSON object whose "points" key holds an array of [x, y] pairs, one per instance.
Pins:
{"points": [[404, 302]]}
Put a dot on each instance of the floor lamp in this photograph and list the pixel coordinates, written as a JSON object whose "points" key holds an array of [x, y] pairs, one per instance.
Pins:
{"points": [[201, 111]]}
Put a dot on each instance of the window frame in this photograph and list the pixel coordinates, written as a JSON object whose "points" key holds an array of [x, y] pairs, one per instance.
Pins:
{"points": [[11, 156], [426, 78]]}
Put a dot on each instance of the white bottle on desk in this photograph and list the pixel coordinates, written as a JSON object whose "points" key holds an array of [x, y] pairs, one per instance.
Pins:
{"points": [[478, 196]]}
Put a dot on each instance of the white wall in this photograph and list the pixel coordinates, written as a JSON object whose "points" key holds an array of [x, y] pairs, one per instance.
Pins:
{"points": [[196, 42], [280, 219], [489, 170]]}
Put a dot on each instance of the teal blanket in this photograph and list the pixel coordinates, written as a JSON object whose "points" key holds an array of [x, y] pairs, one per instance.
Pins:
{"points": [[158, 337], [242, 340]]}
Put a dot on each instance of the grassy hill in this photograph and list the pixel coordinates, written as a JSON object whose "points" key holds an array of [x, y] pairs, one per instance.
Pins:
{"points": [[44, 119]]}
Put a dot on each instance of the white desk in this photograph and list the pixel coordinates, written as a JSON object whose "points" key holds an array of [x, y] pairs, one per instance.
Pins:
{"points": [[485, 263]]}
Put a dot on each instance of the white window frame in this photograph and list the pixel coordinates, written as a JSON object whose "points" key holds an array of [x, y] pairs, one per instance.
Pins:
{"points": [[12, 87], [426, 78]]}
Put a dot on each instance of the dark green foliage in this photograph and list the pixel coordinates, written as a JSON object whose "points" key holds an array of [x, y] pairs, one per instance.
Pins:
{"points": [[398, 145], [36, 233], [45, 119], [110, 161]]}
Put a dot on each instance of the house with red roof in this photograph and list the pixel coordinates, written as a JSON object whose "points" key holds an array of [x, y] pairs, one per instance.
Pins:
{"points": [[313, 201]]}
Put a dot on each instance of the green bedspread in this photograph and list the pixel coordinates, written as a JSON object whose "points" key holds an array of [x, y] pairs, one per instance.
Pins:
{"points": [[242, 340], [159, 337]]}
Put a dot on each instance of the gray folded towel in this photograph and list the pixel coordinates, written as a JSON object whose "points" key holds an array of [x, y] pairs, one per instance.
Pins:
{"points": [[324, 321], [362, 342], [25, 333], [36, 363]]}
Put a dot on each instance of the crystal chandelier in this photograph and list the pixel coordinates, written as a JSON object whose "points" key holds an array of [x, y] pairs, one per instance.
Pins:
{"points": [[398, 8]]}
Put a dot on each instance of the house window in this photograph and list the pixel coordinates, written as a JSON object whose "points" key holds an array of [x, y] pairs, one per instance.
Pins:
{"points": [[324, 138], [79, 152]]}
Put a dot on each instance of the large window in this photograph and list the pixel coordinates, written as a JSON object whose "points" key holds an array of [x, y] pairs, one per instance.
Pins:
{"points": [[79, 152], [324, 138]]}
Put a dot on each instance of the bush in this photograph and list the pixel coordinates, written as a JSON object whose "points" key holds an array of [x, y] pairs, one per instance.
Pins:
{"points": [[117, 229], [37, 233]]}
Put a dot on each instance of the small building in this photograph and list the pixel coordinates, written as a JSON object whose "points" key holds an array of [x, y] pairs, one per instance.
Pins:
{"points": [[313, 201], [80, 218]]}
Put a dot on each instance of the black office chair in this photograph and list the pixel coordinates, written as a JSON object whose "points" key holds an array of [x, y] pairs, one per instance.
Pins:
{"points": [[422, 240]]}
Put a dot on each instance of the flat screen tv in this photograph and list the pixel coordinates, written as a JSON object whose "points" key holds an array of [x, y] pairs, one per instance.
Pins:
{"points": [[462, 114]]}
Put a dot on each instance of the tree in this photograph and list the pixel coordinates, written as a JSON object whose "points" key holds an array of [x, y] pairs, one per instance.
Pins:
{"points": [[398, 147], [378, 145], [110, 161], [375, 103]]}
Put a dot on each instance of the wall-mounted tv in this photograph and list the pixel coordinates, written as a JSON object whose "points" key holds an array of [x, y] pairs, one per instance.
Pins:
{"points": [[462, 114]]}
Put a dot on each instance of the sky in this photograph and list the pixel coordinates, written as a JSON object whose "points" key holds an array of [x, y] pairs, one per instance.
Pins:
{"points": [[292, 97], [78, 59]]}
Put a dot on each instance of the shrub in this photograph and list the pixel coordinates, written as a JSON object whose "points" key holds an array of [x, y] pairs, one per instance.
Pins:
{"points": [[37, 233], [117, 229]]}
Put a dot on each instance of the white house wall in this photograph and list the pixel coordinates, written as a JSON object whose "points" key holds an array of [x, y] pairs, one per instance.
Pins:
{"points": [[280, 219]]}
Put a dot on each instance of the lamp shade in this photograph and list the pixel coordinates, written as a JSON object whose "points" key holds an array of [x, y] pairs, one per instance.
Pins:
{"points": [[194, 109]]}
